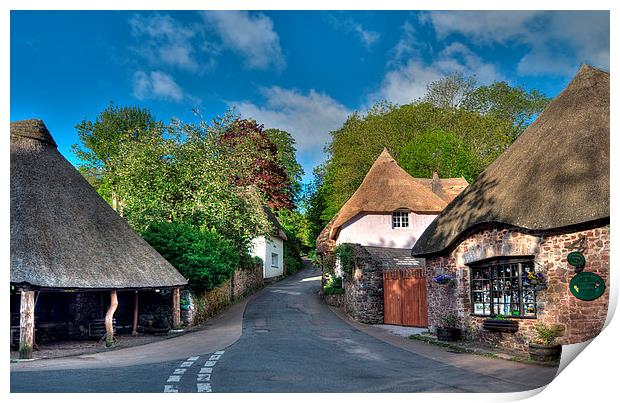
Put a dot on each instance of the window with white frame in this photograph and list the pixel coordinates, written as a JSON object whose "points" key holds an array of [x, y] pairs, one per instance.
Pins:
{"points": [[274, 260], [400, 219]]}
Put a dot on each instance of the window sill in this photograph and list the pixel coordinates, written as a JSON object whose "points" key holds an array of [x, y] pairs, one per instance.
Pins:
{"points": [[479, 315]]}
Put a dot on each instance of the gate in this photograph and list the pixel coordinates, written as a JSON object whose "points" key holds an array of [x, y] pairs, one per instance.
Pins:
{"points": [[404, 297]]}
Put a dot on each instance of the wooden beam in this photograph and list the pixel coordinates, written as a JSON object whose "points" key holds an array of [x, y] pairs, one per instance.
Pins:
{"points": [[26, 324], [109, 316], [134, 329], [176, 308]]}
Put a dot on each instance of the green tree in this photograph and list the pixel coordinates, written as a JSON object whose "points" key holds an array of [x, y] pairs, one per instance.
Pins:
{"points": [[104, 143], [436, 150], [285, 144]]}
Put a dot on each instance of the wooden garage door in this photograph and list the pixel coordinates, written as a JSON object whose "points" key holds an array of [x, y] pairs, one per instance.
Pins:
{"points": [[404, 297]]}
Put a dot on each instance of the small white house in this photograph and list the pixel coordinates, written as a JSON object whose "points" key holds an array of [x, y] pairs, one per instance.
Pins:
{"points": [[271, 248]]}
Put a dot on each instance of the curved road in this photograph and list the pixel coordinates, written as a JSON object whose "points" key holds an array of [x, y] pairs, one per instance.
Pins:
{"points": [[290, 342]]}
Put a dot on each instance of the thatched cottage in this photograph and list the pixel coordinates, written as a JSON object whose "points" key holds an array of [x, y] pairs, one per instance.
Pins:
{"points": [[74, 261], [529, 238], [383, 219]]}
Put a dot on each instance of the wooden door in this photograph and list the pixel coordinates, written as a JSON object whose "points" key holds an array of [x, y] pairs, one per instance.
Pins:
{"points": [[392, 307], [405, 297]]}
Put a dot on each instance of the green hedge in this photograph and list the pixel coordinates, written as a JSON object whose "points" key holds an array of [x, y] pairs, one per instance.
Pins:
{"points": [[202, 256]]}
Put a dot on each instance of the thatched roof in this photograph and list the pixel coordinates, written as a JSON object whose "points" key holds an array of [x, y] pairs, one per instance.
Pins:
{"points": [[63, 234], [323, 243], [276, 227], [446, 188], [555, 175], [385, 188]]}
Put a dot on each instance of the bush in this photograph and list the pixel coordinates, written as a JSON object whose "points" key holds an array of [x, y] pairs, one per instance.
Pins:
{"points": [[346, 255], [292, 253], [202, 256], [333, 286], [332, 291], [546, 335]]}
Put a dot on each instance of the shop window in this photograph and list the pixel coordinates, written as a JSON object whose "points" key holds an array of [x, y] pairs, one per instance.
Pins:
{"points": [[498, 288]]}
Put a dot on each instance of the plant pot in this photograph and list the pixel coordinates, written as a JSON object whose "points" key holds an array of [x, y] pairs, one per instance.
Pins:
{"points": [[504, 326], [448, 334], [545, 353]]}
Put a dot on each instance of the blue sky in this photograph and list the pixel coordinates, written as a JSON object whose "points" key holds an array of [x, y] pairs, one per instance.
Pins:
{"points": [[301, 71]]}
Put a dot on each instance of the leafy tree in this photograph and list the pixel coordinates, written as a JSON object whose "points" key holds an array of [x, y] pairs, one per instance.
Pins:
{"points": [[202, 256], [436, 150], [286, 152], [508, 103], [104, 143], [266, 170], [449, 92]]}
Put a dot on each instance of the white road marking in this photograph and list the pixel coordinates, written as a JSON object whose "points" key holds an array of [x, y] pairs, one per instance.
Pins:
{"points": [[215, 357], [187, 364], [203, 387], [204, 370], [219, 352], [170, 389], [210, 363], [179, 371], [174, 378], [193, 358], [203, 377]]}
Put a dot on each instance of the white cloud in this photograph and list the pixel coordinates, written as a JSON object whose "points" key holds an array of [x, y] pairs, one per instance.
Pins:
{"points": [[250, 35], [308, 117], [366, 36], [558, 41], [407, 81], [164, 41], [156, 85]]}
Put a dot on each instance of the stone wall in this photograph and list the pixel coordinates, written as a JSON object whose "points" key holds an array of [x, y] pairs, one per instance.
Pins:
{"points": [[205, 304], [246, 281], [581, 320], [334, 300], [364, 288]]}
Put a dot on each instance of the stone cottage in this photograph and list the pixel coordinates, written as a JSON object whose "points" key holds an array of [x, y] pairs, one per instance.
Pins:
{"points": [[529, 238], [383, 219], [77, 268]]}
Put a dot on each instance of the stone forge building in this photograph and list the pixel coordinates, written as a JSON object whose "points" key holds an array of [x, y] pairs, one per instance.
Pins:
{"points": [[545, 197], [383, 219], [73, 259]]}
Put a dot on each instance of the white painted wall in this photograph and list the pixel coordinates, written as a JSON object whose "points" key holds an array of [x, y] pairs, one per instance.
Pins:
{"points": [[376, 230], [263, 247]]}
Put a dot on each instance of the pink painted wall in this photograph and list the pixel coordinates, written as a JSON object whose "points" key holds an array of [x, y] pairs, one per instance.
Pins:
{"points": [[376, 230]]}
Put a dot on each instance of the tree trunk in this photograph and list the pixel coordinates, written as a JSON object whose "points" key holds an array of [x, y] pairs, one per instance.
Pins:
{"points": [[109, 316], [134, 330], [176, 308], [26, 324]]}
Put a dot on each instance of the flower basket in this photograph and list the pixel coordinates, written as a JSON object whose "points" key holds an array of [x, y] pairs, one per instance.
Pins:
{"points": [[502, 326], [444, 279]]}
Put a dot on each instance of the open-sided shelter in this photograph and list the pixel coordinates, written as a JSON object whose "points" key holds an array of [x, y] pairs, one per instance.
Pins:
{"points": [[72, 249]]}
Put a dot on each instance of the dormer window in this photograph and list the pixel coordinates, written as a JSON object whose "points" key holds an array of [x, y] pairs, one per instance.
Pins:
{"points": [[400, 219]]}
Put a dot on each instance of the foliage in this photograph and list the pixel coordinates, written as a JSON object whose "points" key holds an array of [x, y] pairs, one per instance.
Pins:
{"points": [[314, 203], [202, 256], [266, 170], [450, 92], [346, 255], [285, 145], [450, 320], [292, 253], [546, 335], [333, 285], [436, 150], [105, 142]]}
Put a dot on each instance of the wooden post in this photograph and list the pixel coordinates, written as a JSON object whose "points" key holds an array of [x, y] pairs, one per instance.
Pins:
{"points": [[109, 316], [26, 324], [134, 330], [176, 308]]}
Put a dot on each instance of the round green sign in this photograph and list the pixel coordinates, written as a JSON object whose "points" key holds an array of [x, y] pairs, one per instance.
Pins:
{"points": [[587, 286], [576, 259]]}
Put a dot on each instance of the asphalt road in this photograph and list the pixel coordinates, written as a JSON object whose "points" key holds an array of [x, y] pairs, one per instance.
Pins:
{"points": [[290, 342]]}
